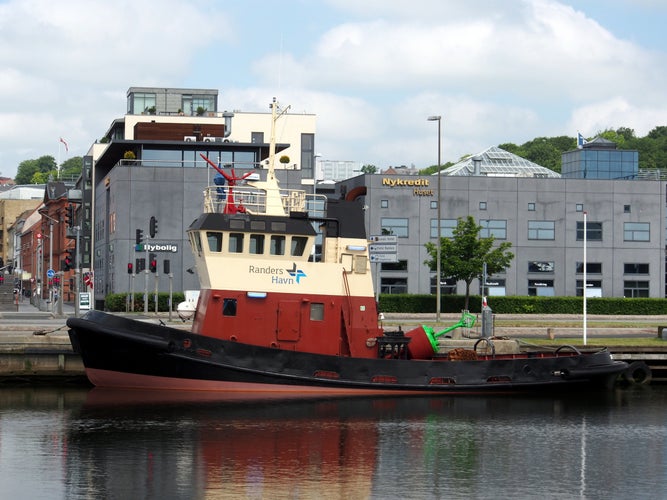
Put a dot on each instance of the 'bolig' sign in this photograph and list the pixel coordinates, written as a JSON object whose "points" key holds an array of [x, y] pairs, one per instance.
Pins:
{"points": [[156, 247]]}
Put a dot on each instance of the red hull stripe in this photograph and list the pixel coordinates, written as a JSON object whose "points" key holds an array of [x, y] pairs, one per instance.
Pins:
{"points": [[107, 378]]}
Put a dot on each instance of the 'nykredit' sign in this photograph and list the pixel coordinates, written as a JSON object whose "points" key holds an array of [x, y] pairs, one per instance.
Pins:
{"points": [[419, 185], [156, 247]]}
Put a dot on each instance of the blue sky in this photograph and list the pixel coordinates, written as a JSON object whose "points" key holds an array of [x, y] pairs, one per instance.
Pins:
{"points": [[372, 71]]}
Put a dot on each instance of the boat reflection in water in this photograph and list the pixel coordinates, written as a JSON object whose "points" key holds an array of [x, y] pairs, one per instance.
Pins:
{"points": [[134, 444]]}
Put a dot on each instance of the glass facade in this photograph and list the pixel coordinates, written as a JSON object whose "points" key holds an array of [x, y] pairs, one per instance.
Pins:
{"points": [[600, 164]]}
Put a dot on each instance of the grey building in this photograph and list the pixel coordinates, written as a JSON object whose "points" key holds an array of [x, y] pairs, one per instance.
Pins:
{"points": [[542, 217]]}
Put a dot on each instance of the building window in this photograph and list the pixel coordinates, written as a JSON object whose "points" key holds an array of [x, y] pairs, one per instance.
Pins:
{"points": [[141, 102], [536, 266], [307, 156], [257, 137], [541, 288], [580, 207], [396, 226], [394, 285], [531, 207], [633, 268], [495, 287], [594, 288], [591, 268], [482, 205], [447, 227], [593, 231], [447, 286], [434, 204], [384, 203], [634, 289], [626, 209], [541, 230], [401, 265], [636, 231], [495, 228]]}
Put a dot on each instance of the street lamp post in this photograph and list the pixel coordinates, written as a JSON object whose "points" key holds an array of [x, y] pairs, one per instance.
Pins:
{"points": [[438, 119]]}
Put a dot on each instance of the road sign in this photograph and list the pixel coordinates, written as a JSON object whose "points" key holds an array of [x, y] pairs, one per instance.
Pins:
{"points": [[383, 248], [50, 274], [384, 257], [384, 238]]}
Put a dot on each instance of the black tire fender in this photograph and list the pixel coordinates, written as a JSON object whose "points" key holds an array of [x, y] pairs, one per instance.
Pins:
{"points": [[638, 373]]}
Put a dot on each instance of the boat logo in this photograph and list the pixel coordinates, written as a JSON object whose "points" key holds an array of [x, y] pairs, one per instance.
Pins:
{"points": [[296, 273]]}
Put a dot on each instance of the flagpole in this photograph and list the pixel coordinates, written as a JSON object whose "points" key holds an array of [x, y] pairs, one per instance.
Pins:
{"points": [[585, 284]]}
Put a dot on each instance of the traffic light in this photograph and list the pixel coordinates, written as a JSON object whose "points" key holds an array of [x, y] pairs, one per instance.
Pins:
{"points": [[69, 215], [69, 263], [140, 236], [152, 227], [141, 265], [129, 268], [152, 263], [166, 266]]}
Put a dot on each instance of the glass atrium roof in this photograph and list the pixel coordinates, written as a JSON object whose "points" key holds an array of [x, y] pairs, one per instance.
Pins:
{"points": [[496, 162]]}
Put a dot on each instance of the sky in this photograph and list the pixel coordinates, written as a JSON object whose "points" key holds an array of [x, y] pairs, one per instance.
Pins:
{"points": [[372, 71]]}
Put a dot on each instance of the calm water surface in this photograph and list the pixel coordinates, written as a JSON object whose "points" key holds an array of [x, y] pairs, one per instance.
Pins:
{"points": [[99, 444]]}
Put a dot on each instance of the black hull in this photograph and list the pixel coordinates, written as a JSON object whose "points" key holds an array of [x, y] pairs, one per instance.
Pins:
{"points": [[119, 352]]}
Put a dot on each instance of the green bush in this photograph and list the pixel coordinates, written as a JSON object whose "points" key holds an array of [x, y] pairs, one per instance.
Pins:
{"points": [[523, 305], [116, 302]]}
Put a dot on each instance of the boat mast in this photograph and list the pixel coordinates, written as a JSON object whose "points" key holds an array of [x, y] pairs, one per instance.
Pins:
{"points": [[274, 204]]}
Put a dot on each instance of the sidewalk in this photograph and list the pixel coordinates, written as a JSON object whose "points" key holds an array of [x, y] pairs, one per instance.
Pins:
{"points": [[27, 309]]}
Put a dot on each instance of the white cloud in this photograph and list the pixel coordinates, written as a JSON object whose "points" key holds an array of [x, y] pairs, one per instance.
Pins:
{"points": [[372, 71]]}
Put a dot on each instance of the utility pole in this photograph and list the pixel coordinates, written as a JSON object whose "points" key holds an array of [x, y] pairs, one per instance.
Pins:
{"points": [[77, 273]]}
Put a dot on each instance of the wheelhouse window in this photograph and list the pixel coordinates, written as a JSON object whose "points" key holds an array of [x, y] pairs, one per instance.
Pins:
{"points": [[636, 231], [541, 230], [298, 245], [277, 246], [256, 243], [235, 242], [214, 241]]}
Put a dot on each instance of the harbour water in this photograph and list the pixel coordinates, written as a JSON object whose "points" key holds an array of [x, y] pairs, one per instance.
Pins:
{"points": [[80, 443]]}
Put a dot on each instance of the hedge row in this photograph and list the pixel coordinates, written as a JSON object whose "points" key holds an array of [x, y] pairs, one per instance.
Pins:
{"points": [[408, 303], [116, 302], [524, 305]]}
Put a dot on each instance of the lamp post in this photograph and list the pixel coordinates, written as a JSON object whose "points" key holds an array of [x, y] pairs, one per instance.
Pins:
{"points": [[438, 119]]}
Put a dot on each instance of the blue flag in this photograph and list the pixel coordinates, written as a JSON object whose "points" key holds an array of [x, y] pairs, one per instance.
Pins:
{"points": [[580, 140]]}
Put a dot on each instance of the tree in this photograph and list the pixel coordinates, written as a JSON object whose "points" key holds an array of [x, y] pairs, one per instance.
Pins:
{"points": [[368, 169], [70, 170], [462, 256], [28, 168]]}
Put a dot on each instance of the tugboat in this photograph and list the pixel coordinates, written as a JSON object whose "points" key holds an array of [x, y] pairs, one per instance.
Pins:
{"points": [[274, 317]]}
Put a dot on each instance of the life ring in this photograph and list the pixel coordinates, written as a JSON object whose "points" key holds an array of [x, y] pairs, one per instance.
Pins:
{"points": [[638, 373]]}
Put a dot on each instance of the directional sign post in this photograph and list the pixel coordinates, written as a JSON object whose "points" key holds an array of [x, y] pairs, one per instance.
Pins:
{"points": [[382, 248]]}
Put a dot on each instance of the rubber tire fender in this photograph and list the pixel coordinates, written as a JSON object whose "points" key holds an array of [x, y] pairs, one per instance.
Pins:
{"points": [[638, 373]]}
